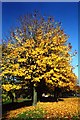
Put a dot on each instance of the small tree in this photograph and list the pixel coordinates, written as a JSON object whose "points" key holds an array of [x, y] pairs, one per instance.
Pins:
{"points": [[38, 53]]}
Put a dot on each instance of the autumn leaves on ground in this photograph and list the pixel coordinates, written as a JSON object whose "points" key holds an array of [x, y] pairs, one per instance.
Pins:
{"points": [[69, 109]]}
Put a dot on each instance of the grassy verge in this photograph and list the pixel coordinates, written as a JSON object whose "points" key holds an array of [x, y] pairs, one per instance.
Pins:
{"points": [[19, 100]]}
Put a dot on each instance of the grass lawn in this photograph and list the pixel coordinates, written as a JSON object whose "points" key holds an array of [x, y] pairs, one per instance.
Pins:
{"points": [[67, 109], [19, 100]]}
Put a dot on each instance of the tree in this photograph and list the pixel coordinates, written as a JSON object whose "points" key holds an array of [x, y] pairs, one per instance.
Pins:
{"points": [[9, 90], [38, 53]]}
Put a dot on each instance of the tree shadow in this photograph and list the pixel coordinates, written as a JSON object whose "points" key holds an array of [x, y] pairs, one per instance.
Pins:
{"points": [[15, 105], [50, 99]]}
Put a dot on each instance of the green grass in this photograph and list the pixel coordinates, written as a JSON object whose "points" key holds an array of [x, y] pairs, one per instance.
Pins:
{"points": [[24, 117], [22, 100], [31, 114], [6, 102]]}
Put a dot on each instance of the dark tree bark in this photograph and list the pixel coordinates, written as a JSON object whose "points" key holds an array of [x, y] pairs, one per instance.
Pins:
{"points": [[11, 96], [57, 92]]}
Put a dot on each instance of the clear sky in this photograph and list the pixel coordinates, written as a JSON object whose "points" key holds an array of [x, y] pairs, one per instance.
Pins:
{"points": [[65, 12]]}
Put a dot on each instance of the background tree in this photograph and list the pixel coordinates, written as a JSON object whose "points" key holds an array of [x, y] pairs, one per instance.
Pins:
{"points": [[9, 90], [38, 55]]}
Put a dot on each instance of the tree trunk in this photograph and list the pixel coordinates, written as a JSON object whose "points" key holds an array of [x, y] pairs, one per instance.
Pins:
{"points": [[39, 96], [12, 99], [11, 96], [34, 96], [56, 94]]}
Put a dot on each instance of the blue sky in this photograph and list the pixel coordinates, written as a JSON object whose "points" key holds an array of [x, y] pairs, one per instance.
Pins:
{"points": [[65, 12]]}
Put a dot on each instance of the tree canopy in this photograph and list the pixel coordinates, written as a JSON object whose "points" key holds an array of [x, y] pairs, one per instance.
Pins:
{"points": [[38, 51]]}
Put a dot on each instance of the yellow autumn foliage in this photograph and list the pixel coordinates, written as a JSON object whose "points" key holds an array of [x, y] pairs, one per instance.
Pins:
{"points": [[9, 87], [43, 56]]}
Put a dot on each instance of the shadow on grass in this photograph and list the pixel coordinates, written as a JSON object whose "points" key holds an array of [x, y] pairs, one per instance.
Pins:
{"points": [[15, 105], [50, 99], [12, 106]]}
